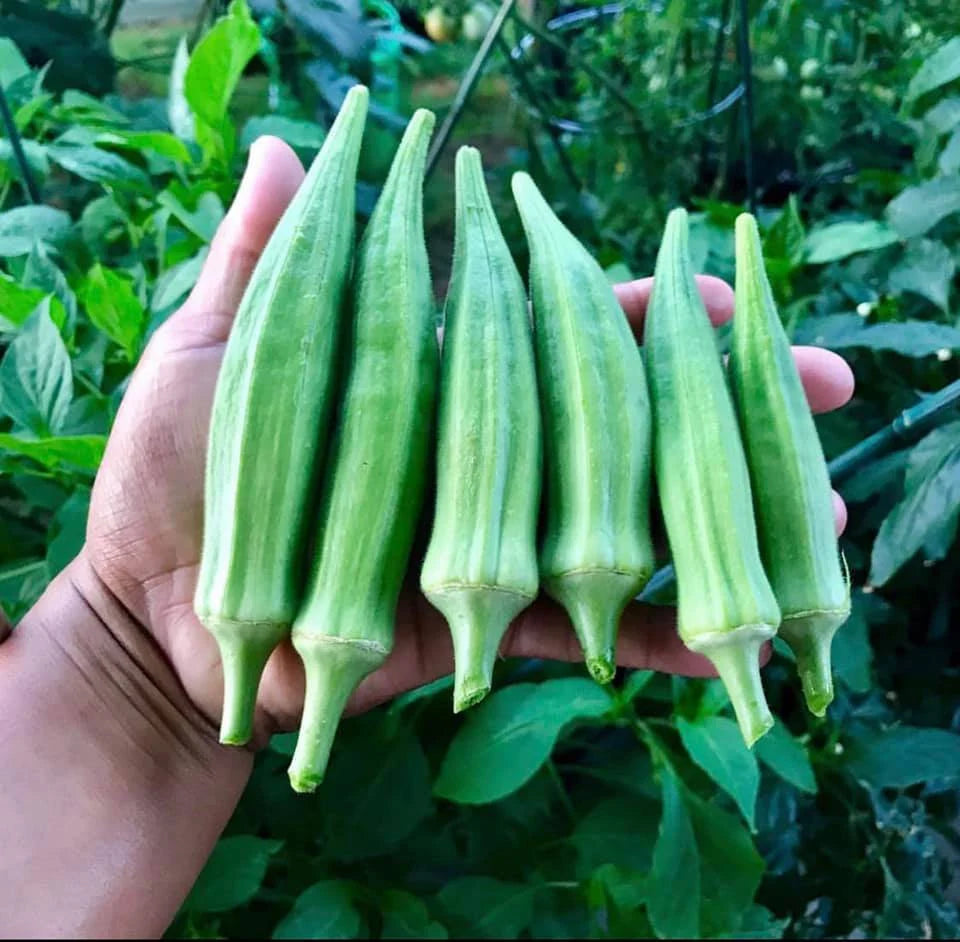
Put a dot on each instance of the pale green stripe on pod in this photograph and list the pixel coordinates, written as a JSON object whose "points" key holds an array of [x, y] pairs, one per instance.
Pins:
{"points": [[373, 486], [597, 552], [480, 569], [269, 422], [791, 486], [726, 607]]}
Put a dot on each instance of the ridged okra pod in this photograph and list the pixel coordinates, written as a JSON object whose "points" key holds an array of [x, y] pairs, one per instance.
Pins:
{"points": [[373, 485], [269, 422], [726, 607], [791, 486], [597, 552], [480, 569]]}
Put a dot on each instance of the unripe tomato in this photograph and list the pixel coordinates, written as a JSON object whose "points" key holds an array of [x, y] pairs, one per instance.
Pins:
{"points": [[476, 21], [440, 26]]}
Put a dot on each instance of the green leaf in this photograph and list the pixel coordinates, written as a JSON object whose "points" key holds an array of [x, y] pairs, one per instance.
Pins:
{"points": [[939, 69], [786, 236], [944, 116], [852, 655], [158, 142], [81, 451], [908, 338], [178, 108], [715, 744], [406, 916], [215, 67], [305, 135], [17, 303], [36, 381], [485, 908], [929, 511], [374, 795], [41, 272], [102, 222], [113, 306], [21, 227], [618, 272], [634, 684], [12, 64], [673, 890], [730, 867], [511, 734], [172, 286], [324, 911], [34, 152], [787, 757], [232, 875], [949, 160], [68, 531], [97, 166], [918, 209], [903, 756], [202, 221], [621, 831], [927, 268], [841, 239], [16, 576]]}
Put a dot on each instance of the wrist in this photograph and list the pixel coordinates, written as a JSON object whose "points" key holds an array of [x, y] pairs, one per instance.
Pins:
{"points": [[112, 780]]}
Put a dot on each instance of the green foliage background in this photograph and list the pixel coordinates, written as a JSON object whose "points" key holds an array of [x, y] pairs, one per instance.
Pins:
{"points": [[559, 808]]}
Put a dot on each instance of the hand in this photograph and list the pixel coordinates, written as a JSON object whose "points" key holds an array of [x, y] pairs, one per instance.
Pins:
{"points": [[144, 532]]}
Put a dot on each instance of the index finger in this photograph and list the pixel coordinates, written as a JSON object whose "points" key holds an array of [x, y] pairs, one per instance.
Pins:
{"points": [[634, 296]]}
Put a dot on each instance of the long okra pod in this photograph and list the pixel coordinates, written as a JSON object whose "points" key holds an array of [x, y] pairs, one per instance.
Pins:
{"points": [[269, 422], [726, 607], [481, 564], [373, 486], [597, 553], [788, 473]]}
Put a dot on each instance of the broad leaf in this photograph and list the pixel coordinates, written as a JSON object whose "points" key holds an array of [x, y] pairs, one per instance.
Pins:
{"points": [[232, 875], [673, 887], [511, 734], [919, 208], [620, 831], [785, 238], [787, 757], [68, 532], [306, 135], [171, 287], [939, 69], [927, 268], [944, 116], [908, 338], [928, 514], [17, 303], [373, 797], [841, 239], [406, 917], [12, 64], [36, 381], [215, 69], [81, 451], [716, 745], [852, 655], [21, 227], [178, 108], [113, 306], [203, 220], [98, 166], [485, 908], [730, 867], [949, 160], [156, 142], [324, 911], [903, 756], [41, 272]]}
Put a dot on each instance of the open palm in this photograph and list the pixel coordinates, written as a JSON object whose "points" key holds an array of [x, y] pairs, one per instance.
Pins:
{"points": [[145, 528]]}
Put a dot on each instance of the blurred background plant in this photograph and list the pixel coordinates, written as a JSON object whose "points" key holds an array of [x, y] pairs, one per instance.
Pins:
{"points": [[556, 808]]}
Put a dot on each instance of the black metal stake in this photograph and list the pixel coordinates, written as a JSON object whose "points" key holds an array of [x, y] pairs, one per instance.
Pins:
{"points": [[33, 194], [746, 66], [469, 82], [527, 86]]}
